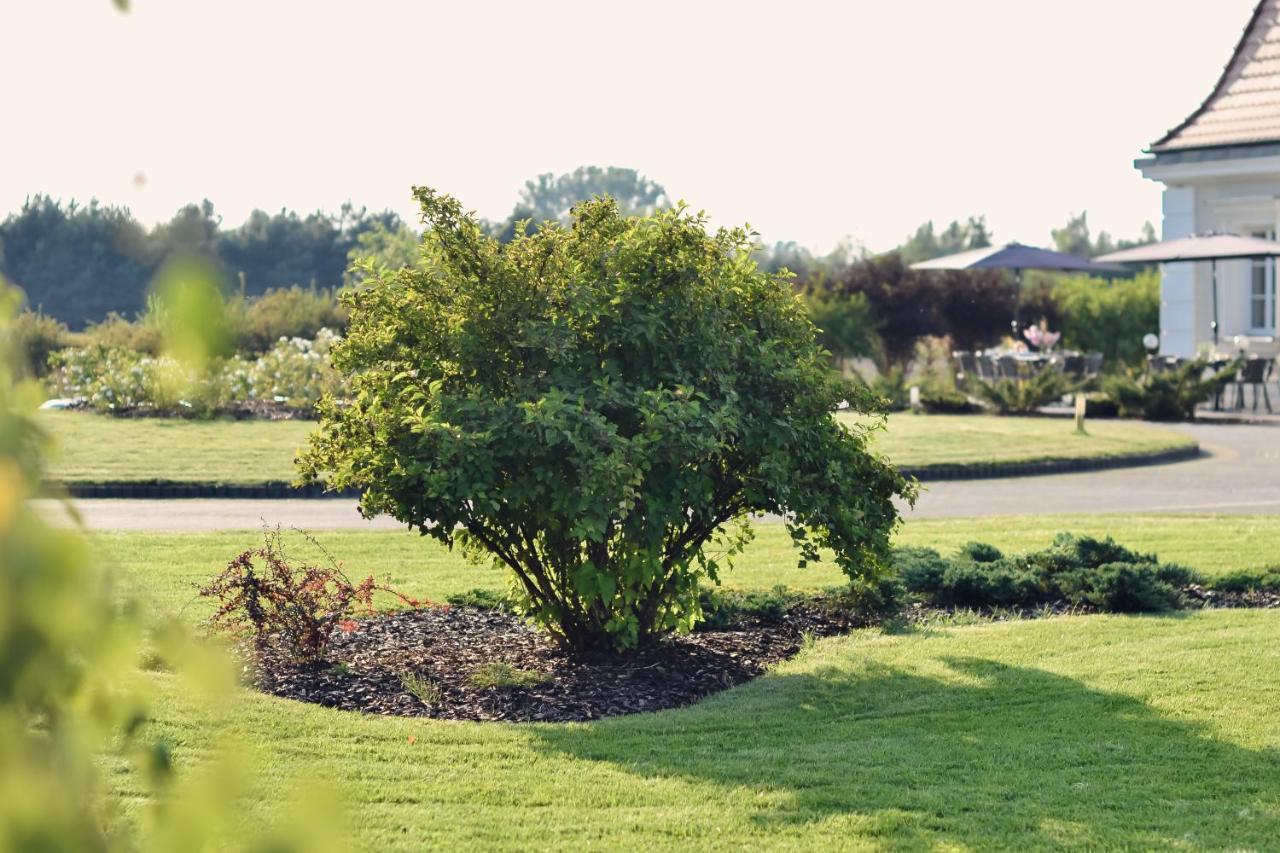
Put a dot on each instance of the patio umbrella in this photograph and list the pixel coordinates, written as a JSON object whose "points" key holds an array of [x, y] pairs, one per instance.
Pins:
{"points": [[1199, 247], [1016, 257]]}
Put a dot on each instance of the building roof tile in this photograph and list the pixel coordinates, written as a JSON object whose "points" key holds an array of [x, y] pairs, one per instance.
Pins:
{"points": [[1244, 107]]}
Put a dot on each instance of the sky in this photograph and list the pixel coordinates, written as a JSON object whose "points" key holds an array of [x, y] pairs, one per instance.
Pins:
{"points": [[810, 121]]}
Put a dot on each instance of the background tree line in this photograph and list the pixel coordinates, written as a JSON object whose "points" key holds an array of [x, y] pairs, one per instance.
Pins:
{"points": [[80, 264]]}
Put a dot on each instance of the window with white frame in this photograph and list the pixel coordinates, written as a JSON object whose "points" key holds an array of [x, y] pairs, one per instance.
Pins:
{"points": [[1262, 291]]}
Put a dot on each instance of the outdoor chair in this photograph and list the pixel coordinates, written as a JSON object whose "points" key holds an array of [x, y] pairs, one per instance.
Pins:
{"points": [[966, 366], [1073, 366], [986, 368], [1255, 372], [1007, 367], [1092, 365]]}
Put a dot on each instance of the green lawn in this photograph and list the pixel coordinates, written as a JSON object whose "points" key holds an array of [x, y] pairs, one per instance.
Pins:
{"points": [[1099, 732], [1088, 732], [918, 440], [97, 448], [167, 566]]}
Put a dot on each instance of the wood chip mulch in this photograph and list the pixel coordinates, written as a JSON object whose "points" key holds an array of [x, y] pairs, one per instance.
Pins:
{"points": [[419, 663]]}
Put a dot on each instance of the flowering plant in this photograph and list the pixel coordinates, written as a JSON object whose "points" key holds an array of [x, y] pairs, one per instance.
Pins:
{"points": [[1040, 337]]}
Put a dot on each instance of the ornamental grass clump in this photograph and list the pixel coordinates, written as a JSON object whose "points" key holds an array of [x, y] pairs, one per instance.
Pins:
{"points": [[599, 408]]}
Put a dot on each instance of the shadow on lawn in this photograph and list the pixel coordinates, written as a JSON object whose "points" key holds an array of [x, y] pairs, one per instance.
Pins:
{"points": [[995, 755]]}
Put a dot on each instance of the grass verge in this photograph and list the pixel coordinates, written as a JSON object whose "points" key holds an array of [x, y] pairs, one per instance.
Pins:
{"points": [[99, 448], [167, 566]]}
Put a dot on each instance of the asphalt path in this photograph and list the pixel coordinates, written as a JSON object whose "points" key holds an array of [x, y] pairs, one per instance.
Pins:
{"points": [[1238, 473]]}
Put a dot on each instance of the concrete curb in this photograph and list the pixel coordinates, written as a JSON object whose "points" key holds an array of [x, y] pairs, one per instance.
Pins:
{"points": [[999, 470], [169, 489]]}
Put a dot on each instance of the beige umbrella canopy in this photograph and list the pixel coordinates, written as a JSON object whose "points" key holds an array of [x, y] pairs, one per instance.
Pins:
{"points": [[1198, 247]]}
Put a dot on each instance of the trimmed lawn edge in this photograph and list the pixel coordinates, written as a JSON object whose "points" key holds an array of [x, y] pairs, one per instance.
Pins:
{"points": [[1038, 467], [174, 489]]}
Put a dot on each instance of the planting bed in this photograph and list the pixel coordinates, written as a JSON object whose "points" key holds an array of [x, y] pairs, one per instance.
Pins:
{"points": [[470, 663], [435, 662]]}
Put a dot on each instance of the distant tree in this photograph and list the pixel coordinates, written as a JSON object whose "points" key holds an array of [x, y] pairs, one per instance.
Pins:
{"points": [[846, 324], [278, 250], [383, 246], [925, 244], [973, 307], [1074, 238], [77, 262], [551, 197], [788, 255]]}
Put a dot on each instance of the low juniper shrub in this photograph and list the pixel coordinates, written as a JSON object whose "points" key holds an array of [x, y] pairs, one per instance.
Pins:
{"points": [[268, 595], [1249, 580], [724, 608], [1079, 570], [1120, 588], [980, 552], [480, 599]]}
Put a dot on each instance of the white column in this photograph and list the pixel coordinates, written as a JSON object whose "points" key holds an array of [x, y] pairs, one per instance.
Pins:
{"points": [[1178, 316]]}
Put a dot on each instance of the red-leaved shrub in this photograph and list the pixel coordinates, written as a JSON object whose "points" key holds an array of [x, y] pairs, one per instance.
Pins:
{"points": [[265, 593]]}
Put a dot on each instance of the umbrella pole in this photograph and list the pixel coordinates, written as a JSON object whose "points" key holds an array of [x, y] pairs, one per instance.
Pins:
{"points": [[1213, 266]]}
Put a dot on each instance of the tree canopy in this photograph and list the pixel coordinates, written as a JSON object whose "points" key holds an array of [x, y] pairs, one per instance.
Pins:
{"points": [[80, 262]]}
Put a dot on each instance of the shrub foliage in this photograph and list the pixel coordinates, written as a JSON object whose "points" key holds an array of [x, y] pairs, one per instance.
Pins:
{"points": [[591, 406], [1079, 570], [1168, 396]]}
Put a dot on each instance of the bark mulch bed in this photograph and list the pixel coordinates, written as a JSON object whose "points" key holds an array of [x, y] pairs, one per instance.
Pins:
{"points": [[425, 663], [434, 662]]}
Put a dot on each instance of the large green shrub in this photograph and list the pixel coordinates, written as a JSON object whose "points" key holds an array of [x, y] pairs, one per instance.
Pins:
{"points": [[592, 405], [1025, 396], [286, 312], [846, 324], [34, 336], [1170, 395], [1110, 317]]}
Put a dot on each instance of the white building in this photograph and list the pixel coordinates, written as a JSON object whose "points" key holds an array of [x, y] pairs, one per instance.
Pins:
{"points": [[1221, 172]]}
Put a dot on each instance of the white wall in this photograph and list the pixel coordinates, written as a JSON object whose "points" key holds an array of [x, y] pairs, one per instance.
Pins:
{"points": [[1178, 315], [1226, 196]]}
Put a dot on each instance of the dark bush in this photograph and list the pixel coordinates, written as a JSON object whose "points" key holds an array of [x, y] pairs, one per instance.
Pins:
{"points": [[973, 308], [980, 552], [1080, 570], [920, 570], [481, 599], [724, 608], [999, 584], [1170, 395], [870, 599], [1092, 552], [1119, 588], [1245, 580], [1023, 396]]}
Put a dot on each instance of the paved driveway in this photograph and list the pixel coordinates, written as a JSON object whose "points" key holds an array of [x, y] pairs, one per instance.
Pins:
{"points": [[1238, 473]]}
